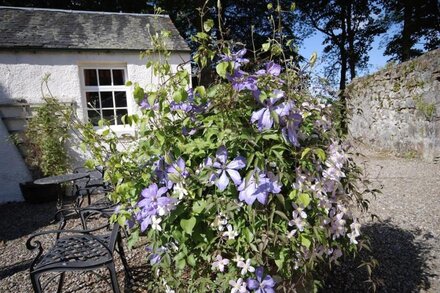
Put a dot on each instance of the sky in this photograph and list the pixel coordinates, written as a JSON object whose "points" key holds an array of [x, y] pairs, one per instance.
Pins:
{"points": [[314, 44]]}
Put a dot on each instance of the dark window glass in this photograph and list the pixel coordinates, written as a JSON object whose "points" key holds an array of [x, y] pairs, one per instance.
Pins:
{"points": [[105, 77], [107, 99], [94, 117], [92, 100], [109, 115], [90, 77], [119, 114], [118, 77], [121, 99]]}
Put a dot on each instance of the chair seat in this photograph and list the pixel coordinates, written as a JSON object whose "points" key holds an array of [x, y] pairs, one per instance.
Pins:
{"points": [[76, 252]]}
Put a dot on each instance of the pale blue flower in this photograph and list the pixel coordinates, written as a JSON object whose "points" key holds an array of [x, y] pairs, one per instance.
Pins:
{"points": [[225, 170], [258, 187], [260, 284], [290, 131], [264, 118]]}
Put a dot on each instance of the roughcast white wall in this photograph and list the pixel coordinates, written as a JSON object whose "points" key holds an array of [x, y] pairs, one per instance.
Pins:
{"points": [[21, 74]]}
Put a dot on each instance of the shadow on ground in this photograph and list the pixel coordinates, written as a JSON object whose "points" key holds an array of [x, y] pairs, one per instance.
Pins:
{"points": [[401, 263], [20, 219]]}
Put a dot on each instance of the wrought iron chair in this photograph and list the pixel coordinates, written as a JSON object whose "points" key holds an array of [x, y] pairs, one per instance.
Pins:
{"points": [[76, 250], [95, 183]]}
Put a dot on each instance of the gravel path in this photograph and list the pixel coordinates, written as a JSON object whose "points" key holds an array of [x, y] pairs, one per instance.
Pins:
{"points": [[405, 240]]}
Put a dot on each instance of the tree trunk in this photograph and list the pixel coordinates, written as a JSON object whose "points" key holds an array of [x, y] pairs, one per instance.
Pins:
{"points": [[350, 36], [343, 51], [406, 33]]}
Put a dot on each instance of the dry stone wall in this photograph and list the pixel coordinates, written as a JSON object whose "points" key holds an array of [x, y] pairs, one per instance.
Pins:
{"points": [[398, 108]]}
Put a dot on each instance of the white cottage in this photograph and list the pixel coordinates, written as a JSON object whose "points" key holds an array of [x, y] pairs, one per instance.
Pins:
{"points": [[89, 56]]}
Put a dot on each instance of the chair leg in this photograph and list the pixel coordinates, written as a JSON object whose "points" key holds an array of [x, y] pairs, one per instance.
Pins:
{"points": [[114, 278], [60, 284], [35, 280], [123, 257]]}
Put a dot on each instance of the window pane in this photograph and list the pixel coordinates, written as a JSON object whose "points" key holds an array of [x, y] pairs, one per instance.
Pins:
{"points": [[90, 77], [121, 99], [105, 77], [92, 100], [118, 77], [119, 114], [109, 115], [107, 99], [94, 117]]}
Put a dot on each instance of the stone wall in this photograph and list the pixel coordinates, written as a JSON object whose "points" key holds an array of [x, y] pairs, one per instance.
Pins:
{"points": [[398, 108]]}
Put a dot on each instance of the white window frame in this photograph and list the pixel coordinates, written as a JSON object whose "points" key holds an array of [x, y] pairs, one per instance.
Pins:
{"points": [[106, 88]]}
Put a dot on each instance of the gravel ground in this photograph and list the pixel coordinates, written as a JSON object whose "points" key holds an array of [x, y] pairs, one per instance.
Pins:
{"points": [[405, 239]]}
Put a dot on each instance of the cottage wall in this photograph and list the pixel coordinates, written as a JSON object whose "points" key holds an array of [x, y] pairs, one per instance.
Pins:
{"points": [[21, 75]]}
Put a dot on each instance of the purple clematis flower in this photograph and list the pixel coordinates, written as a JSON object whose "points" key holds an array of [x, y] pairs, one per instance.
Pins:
{"points": [[261, 285], [220, 177], [290, 132], [146, 105], [178, 169], [155, 256], [236, 57], [151, 195], [258, 187], [161, 173], [154, 202], [271, 69], [264, 118], [240, 81]]}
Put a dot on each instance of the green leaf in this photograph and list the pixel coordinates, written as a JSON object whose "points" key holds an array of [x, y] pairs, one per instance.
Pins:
{"points": [[208, 25], [266, 47], [200, 90], [180, 95], [305, 152], [313, 58], [279, 263], [269, 6], [191, 260], [280, 198], [188, 225], [202, 36], [282, 215], [133, 238], [151, 99], [304, 199], [199, 206], [222, 69], [248, 235], [305, 241], [293, 6], [122, 220], [181, 263], [138, 93], [179, 256], [321, 154]]}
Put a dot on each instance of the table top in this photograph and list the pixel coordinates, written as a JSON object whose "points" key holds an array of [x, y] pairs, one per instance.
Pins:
{"points": [[61, 178]]}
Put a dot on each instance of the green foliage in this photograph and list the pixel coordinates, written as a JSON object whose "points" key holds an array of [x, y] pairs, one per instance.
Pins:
{"points": [[183, 130], [427, 109], [45, 137]]}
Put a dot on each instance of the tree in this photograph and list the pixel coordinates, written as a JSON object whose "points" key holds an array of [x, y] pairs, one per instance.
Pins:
{"points": [[245, 21], [99, 5], [349, 28], [419, 24]]}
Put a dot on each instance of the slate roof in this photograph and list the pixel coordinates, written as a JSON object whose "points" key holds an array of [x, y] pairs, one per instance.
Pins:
{"points": [[35, 28]]}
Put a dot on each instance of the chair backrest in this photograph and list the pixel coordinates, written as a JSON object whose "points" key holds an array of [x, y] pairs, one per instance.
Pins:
{"points": [[113, 227]]}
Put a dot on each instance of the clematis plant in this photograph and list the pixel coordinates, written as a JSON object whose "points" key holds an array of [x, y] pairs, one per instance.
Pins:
{"points": [[248, 169]]}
